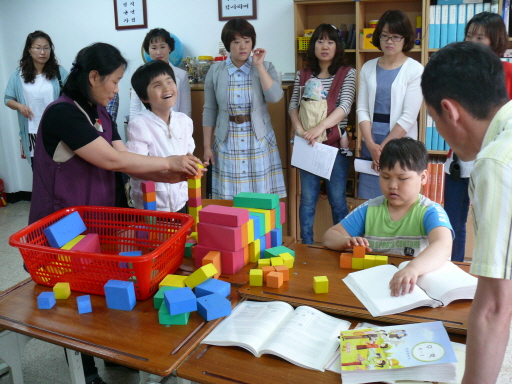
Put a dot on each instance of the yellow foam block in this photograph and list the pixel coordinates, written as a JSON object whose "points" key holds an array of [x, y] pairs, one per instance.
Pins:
{"points": [[200, 275], [194, 211], [70, 244], [276, 261], [42, 275], [368, 261], [58, 268], [194, 183], [321, 284], [254, 251], [357, 263], [266, 212], [256, 277], [263, 263], [193, 235], [381, 260], [61, 290], [173, 281], [250, 231], [288, 259]]}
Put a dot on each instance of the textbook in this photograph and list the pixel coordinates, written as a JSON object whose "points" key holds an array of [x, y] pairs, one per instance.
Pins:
{"points": [[421, 352], [303, 336], [435, 289]]}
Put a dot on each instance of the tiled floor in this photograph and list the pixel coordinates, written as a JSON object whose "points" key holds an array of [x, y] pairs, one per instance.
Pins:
{"points": [[43, 363]]}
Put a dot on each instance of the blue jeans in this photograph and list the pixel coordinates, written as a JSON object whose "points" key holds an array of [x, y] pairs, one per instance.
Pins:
{"points": [[456, 205], [336, 193]]}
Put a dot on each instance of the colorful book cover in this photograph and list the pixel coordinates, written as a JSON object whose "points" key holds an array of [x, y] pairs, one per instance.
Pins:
{"points": [[395, 347]]}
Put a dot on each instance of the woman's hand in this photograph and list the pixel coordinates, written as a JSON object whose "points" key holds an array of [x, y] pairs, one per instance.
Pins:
{"points": [[184, 164], [375, 151], [258, 56], [208, 156], [403, 281], [26, 111], [312, 134]]}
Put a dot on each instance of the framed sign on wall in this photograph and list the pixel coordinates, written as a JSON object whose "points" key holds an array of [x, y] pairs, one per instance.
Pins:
{"points": [[232, 9], [130, 14]]}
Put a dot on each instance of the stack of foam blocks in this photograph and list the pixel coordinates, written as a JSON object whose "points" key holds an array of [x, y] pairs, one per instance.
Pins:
{"points": [[360, 260]]}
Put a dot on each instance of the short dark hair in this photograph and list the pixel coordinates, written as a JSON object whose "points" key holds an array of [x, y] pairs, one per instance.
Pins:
{"points": [[101, 57], [330, 32], [468, 73], [398, 23], [28, 70], [240, 26], [493, 27], [409, 153], [143, 76], [156, 34]]}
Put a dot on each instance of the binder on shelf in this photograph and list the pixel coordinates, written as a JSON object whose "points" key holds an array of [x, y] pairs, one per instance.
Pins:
{"points": [[435, 137], [461, 22], [452, 24], [440, 142], [431, 28], [470, 12], [444, 26], [428, 133], [437, 27], [457, 2], [506, 14], [487, 7], [479, 8]]}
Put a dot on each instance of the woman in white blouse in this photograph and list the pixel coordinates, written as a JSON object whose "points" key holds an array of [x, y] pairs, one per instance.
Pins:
{"points": [[389, 94], [159, 44]]}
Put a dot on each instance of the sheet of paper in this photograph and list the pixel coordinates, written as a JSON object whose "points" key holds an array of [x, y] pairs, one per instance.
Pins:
{"points": [[364, 166], [317, 159]]}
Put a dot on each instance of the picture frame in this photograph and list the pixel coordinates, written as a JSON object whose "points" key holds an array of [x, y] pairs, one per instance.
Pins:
{"points": [[130, 14], [233, 9]]}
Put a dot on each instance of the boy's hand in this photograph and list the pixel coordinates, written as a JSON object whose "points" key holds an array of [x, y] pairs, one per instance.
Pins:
{"points": [[354, 241], [403, 281]]}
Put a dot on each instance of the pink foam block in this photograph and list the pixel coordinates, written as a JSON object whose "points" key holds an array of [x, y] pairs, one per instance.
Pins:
{"points": [[231, 262], [195, 202], [282, 205], [228, 216], [268, 240], [219, 236], [147, 186], [90, 243]]}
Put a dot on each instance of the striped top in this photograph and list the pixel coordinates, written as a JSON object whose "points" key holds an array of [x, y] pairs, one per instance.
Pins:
{"points": [[490, 190], [345, 98]]}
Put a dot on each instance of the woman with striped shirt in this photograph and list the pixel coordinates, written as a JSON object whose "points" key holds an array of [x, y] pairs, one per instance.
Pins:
{"points": [[325, 61]]}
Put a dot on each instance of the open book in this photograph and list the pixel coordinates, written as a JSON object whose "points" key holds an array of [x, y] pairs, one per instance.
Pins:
{"points": [[305, 336], [437, 288], [421, 352]]}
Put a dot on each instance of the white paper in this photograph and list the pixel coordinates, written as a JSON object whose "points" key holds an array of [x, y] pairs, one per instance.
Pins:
{"points": [[318, 159], [37, 106], [364, 166]]}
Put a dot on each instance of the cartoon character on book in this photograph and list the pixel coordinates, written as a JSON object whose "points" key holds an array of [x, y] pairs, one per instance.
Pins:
{"points": [[397, 334], [370, 345], [377, 361]]}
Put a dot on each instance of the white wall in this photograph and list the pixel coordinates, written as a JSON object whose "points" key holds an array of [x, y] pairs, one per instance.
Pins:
{"points": [[74, 24]]}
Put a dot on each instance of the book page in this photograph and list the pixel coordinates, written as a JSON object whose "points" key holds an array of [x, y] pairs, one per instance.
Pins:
{"points": [[308, 338], [439, 283], [250, 325]]}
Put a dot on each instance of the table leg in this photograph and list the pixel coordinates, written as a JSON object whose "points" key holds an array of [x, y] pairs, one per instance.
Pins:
{"points": [[76, 370], [149, 378], [12, 345]]}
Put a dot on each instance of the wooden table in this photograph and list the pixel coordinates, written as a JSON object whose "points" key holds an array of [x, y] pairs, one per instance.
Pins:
{"points": [[313, 261]]}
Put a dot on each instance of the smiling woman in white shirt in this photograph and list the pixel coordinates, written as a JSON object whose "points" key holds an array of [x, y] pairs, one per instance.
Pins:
{"points": [[389, 94]]}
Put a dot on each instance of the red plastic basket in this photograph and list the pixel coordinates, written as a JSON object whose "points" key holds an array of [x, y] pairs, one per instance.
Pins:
{"points": [[159, 235]]}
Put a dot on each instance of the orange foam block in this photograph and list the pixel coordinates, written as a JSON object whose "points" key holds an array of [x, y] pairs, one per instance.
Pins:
{"points": [[359, 251], [214, 258], [346, 260], [274, 279], [266, 271], [149, 197], [284, 270], [194, 192], [245, 238]]}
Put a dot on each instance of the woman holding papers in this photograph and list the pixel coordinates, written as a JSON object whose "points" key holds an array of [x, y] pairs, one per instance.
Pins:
{"points": [[326, 67], [488, 29], [389, 97]]}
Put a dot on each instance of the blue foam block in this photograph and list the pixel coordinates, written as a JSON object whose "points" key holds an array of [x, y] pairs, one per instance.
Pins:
{"points": [[263, 246], [276, 236], [65, 230], [120, 295], [131, 253], [210, 286], [46, 300], [149, 205], [84, 304], [180, 300], [213, 306], [158, 299], [257, 226]]}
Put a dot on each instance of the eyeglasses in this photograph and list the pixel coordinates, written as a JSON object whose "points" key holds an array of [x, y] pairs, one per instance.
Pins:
{"points": [[44, 49], [394, 39]]}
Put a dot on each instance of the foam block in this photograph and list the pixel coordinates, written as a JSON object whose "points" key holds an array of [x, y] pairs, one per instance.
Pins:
{"points": [[221, 215], [199, 173], [214, 258], [246, 254], [276, 237], [149, 197], [84, 304], [245, 236], [128, 253], [258, 227], [188, 249], [194, 193], [120, 295], [368, 261], [266, 270], [180, 300], [210, 286], [250, 231], [173, 281], [158, 299], [70, 244], [256, 277], [150, 206], [213, 306], [357, 263], [231, 262], [346, 260], [274, 279], [65, 230], [254, 251], [219, 236], [276, 251], [284, 270], [276, 261], [263, 263], [268, 239], [273, 215], [282, 212], [263, 245], [359, 251], [165, 318], [321, 284], [200, 275], [381, 260], [194, 183], [194, 212], [147, 186], [195, 201], [256, 200], [90, 243], [266, 218], [46, 300], [61, 291], [287, 259]]}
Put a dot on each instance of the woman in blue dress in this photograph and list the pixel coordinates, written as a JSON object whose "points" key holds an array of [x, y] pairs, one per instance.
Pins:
{"points": [[389, 94], [244, 150]]}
